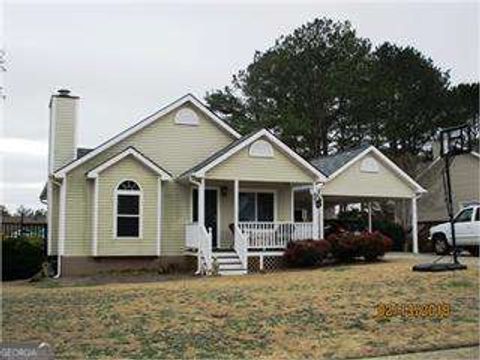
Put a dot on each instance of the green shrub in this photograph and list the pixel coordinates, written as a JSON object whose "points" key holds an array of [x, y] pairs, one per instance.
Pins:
{"points": [[306, 253], [22, 257], [393, 231]]}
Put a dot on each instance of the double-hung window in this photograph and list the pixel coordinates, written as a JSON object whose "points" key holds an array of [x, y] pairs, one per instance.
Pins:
{"points": [[256, 206], [128, 197]]}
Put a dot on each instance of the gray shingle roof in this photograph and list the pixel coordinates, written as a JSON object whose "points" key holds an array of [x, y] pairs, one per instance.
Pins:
{"points": [[329, 164], [82, 152]]}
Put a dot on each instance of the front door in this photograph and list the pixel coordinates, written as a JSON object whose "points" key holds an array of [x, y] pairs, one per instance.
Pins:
{"points": [[211, 212]]}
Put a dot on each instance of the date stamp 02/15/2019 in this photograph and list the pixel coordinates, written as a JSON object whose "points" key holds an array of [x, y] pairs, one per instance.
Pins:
{"points": [[413, 310]]}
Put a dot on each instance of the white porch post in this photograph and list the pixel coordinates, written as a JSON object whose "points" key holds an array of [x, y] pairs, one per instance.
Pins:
{"points": [[315, 214], [321, 214], [201, 202], [236, 186], [369, 217], [414, 225]]}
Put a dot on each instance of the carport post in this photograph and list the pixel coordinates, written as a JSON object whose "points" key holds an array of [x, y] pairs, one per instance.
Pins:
{"points": [[369, 217], [315, 213], [414, 225]]}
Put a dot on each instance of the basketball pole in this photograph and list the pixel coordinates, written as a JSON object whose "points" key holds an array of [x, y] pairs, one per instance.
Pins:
{"points": [[450, 208]]}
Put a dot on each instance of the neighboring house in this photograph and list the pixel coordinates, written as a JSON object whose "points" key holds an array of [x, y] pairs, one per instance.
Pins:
{"points": [[181, 188], [465, 180]]}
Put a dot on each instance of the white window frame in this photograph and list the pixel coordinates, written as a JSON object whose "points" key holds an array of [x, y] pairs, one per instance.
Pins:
{"points": [[256, 192], [138, 193]]}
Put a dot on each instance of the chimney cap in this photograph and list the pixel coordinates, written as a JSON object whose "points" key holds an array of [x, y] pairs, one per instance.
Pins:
{"points": [[63, 92]]}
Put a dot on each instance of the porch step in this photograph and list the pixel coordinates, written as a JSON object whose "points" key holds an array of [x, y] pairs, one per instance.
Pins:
{"points": [[229, 263]]}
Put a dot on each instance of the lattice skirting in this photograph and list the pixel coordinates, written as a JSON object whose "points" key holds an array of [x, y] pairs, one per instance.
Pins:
{"points": [[265, 263]]}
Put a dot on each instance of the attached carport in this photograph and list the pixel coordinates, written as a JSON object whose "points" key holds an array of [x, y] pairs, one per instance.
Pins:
{"points": [[365, 175]]}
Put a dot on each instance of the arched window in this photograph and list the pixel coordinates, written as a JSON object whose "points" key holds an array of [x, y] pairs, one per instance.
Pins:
{"points": [[128, 206]]}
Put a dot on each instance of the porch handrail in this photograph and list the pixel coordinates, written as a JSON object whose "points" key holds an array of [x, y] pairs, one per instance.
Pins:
{"points": [[241, 245], [276, 234], [204, 249]]}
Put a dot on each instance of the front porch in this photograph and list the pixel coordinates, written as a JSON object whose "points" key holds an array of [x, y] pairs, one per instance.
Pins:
{"points": [[232, 221]]}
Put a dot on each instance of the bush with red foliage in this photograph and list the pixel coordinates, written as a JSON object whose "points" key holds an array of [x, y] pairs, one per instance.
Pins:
{"points": [[347, 246], [374, 245], [306, 253]]}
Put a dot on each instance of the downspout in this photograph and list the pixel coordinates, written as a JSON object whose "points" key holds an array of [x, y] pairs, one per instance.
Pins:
{"points": [[59, 257]]}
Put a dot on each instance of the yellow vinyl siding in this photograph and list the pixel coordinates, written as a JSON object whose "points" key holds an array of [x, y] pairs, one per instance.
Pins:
{"points": [[279, 168], [354, 182], [174, 147], [108, 245], [53, 207]]}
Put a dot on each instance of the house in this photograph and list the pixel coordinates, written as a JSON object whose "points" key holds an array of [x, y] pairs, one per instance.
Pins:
{"points": [[182, 188], [465, 180]]}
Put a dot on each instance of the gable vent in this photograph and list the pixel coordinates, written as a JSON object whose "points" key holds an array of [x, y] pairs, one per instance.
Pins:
{"points": [[186, 117]]}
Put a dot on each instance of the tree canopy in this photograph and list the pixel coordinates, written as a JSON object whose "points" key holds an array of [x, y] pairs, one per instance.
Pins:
{"points": [[323, 88]]}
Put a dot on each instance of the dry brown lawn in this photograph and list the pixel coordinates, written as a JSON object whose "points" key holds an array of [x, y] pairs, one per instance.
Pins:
{"points": [[323, 313]]}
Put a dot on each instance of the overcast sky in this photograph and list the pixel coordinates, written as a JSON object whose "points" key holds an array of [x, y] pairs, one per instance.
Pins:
{"points": [[126, 60]]}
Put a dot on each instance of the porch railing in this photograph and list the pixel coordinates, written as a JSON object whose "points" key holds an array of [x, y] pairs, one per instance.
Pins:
{"points": [[275, 235], [241, 245], [199, 238]]}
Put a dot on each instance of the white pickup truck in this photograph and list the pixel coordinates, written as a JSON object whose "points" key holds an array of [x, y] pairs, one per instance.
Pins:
{"points": [[467, 232]]}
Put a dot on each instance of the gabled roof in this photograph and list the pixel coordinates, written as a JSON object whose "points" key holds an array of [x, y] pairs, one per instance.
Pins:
{"points": [[329, 164], [130, 151], [336, 164], [223, 154], [144, 123]]}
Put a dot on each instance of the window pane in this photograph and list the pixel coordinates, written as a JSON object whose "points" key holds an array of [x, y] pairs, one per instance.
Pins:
{"points": [[195, 205], [477, 215], [127, 226], [247, 207], [128, 185], [128, 204], [265, 207], [465, 216]]}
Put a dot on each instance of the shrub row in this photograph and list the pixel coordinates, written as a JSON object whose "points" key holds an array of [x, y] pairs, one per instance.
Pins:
{"points": [[21, 257], [343, 247]]}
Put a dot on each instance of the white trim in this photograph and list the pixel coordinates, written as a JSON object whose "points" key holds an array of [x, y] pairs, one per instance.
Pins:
{"points": [[274, 140], [236, 201], [387, 161], [261, 149], [159, 215], [146, 122], [139, 193], [265, 253], [50, 217], [474, 153], [95, 218], [62, 217], [292, 204], [256, 191], [370, 228], [127, 152], [414, 226], [187, 117], [219, 223], [51, 138]]}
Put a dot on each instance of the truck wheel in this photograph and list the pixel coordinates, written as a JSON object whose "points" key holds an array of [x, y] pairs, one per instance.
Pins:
{"points": [[440, 244]]}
